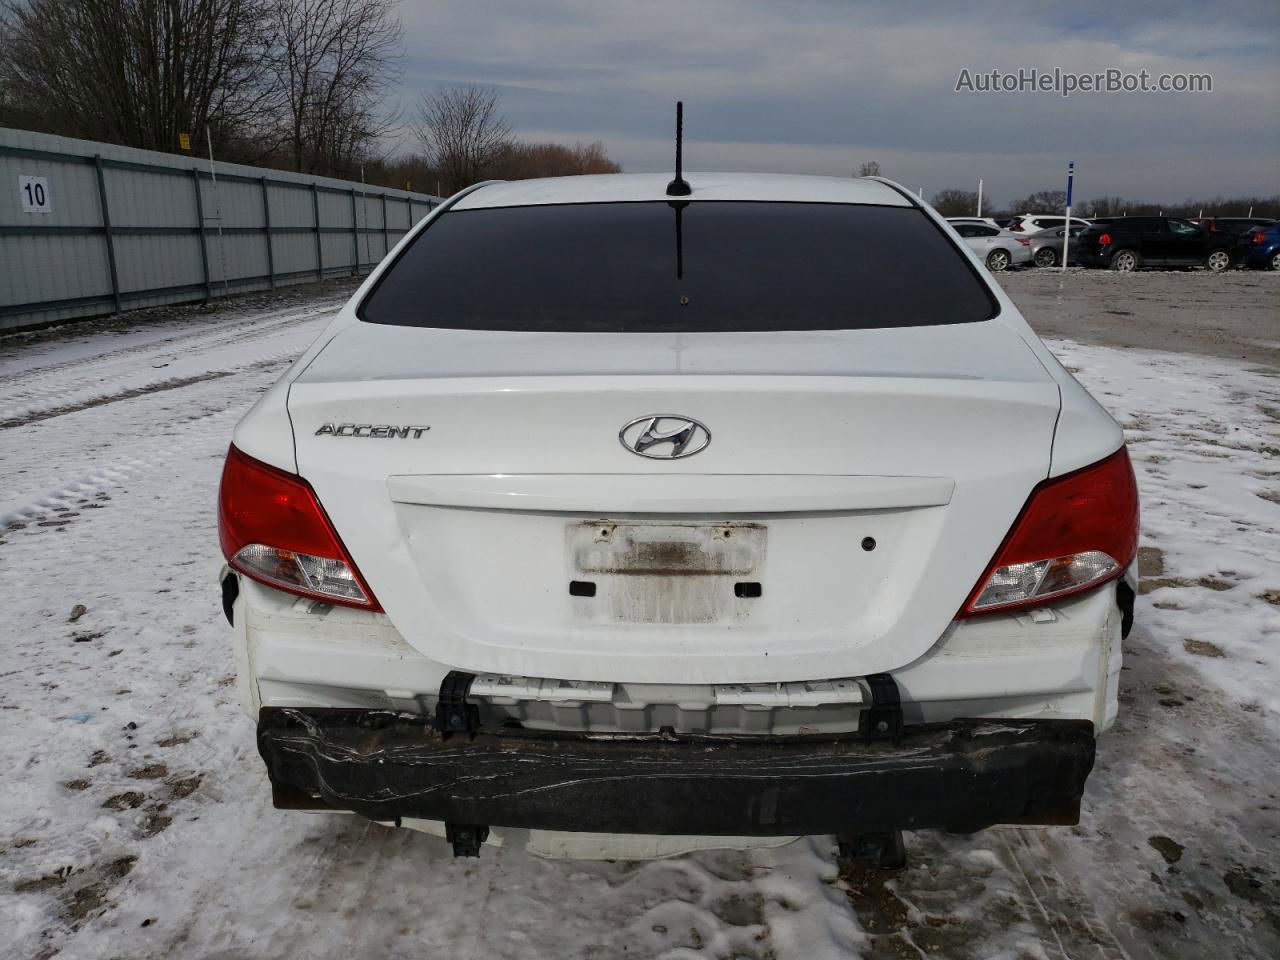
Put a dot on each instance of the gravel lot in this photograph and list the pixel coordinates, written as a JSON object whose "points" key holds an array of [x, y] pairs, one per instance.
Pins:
{"points": [[1232, 315]]}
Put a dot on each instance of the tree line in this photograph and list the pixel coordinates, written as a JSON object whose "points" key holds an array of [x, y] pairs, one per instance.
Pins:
{"points": [[964, 203], [294, 84]]}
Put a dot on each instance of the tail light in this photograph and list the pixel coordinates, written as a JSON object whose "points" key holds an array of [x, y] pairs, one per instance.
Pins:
{"points": [[1025, 241], [1015, 227], [1075, 533], [1257, 240], [1104, 239], [273, 529]]}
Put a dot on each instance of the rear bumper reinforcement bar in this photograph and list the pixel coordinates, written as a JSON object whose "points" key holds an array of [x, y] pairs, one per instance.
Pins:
{"points": [[962, 775]]}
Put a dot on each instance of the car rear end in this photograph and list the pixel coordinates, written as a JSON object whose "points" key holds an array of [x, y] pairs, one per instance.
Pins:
{"points": [[1259, 249], [1019, 247], [1096, 243], [703, 521]]}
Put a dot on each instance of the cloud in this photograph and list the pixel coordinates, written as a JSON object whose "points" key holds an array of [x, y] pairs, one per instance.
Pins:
{"points": [[820, 86]]}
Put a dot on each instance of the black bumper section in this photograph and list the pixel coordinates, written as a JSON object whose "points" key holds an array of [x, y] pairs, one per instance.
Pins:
{"points": [[962, 776]]}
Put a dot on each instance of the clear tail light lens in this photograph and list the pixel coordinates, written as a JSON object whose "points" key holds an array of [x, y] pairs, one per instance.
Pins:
{"points": [[273, 529], [1074, 533]]}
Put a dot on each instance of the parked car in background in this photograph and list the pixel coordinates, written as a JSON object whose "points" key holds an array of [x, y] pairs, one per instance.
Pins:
{"points": [[1046, 246], [1234, 225], [1129, 243], [1260, 248], [999, 249], [1238, 227], [984, 221], [1032, 222]]}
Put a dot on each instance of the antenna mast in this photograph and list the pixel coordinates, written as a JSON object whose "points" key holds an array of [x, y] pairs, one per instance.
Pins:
{"points": [[679, 187]]}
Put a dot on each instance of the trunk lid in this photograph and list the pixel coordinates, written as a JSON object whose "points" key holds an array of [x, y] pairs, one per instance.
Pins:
{"points": [[855, 486]]}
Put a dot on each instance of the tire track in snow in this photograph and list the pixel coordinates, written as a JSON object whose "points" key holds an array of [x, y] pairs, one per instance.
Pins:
{"points": [[94, 486], [81, 492], [269, 362], [1072, 922], [115, 378], [215, 334], [157, 387]]}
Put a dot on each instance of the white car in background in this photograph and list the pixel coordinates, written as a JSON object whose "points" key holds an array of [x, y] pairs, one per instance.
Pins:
{"points": [[997, 249], [610, 521], [1031, 222], [984, 221]]}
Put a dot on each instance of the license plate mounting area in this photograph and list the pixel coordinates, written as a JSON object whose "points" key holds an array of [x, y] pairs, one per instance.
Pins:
{"points": [[666, 571]]}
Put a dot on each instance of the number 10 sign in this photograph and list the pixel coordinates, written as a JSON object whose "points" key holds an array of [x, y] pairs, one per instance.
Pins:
{"points": [[33, 192]]}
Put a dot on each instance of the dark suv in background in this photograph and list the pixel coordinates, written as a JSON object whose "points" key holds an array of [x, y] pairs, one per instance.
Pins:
{"points": [[1236, 225], [1127, 243]]}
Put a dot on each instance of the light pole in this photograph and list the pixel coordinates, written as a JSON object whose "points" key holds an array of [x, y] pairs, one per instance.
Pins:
{"points": [[1066, 232]]}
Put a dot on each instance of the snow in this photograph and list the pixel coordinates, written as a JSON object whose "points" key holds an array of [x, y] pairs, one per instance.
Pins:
{"points": [[135, 819], [1204, 438]]}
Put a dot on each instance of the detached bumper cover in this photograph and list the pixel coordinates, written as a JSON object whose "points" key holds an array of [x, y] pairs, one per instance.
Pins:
{"points": [[963, 775]]}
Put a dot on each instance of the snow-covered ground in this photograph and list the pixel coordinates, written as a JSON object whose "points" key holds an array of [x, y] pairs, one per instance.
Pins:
{"points": [[135, 819]]}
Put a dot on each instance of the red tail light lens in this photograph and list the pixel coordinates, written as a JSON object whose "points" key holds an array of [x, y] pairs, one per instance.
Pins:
{"points": [[1025, 241], [1075, 533], [1257, 240], [1104, 239], [273, 529]]}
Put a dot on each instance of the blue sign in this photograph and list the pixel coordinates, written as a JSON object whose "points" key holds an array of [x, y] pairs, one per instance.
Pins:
{"points": [[1071, 173]]}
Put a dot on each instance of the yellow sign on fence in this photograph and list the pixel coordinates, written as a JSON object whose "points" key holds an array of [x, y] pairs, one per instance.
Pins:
{"points": [[184, 141]]}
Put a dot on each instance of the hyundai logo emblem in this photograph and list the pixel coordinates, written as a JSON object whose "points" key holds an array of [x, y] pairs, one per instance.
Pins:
{"points": [[664, 436]]}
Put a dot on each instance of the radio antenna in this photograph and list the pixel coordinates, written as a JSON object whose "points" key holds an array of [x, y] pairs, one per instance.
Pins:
{"points": [[679, 187]]}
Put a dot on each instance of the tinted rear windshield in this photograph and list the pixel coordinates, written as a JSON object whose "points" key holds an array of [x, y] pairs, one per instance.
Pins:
{"points": [[702, 266]]}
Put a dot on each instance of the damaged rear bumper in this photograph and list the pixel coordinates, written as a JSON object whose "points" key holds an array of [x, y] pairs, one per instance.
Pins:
{"points": [[962, 775]]}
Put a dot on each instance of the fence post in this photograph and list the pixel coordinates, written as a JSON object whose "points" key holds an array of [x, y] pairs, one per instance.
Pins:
{"points": [[315, 206], [386, 231], [355, 236], [204, 245], [266, 220], [106, 226]]}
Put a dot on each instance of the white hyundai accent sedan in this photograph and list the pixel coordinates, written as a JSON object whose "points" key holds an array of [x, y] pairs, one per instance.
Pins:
{"points": [[607, 522]]}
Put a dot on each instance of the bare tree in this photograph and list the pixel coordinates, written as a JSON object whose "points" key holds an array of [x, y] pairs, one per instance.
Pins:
{"points": [[1042, 201], [955, 203], [869, 169], [1107, 206], [462, 133], [331, 62], [137, 72]]}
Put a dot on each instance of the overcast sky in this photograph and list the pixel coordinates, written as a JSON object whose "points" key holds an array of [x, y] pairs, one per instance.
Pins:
{"points": [[820, 86]]}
